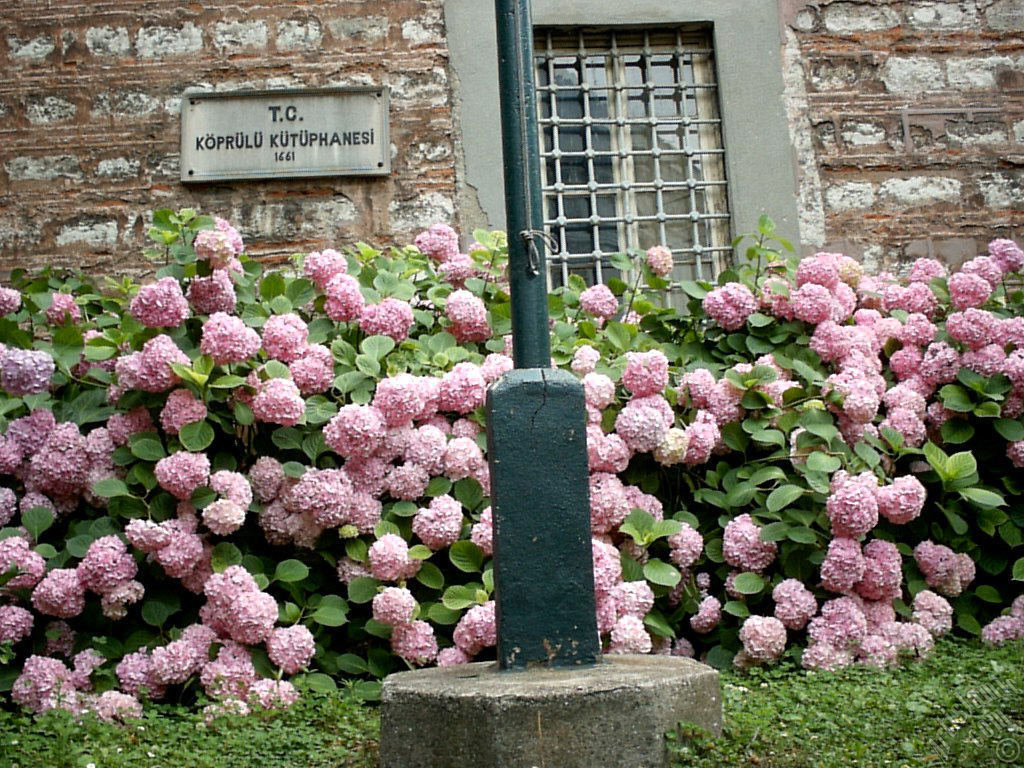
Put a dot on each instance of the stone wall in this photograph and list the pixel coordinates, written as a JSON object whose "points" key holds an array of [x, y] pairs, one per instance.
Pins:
{"points": [[910, 116], [907, 120], [89, 121]]}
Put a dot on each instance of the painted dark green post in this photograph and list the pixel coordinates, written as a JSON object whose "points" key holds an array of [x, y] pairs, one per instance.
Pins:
{"points": [[536, 419]]}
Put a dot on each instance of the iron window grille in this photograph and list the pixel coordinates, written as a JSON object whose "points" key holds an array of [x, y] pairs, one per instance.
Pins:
{"points": [[631, 149]]}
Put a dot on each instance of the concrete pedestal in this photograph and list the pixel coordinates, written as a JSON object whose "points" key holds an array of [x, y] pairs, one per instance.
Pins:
{"points": [[612, 715]]}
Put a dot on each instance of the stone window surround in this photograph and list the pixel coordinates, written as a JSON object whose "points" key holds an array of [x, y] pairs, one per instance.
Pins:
{"points": [[747, 39]]}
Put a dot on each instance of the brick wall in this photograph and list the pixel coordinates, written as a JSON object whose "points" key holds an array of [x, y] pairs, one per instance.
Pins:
{"points": [[907, 121], [911, 120], [89, 121]]}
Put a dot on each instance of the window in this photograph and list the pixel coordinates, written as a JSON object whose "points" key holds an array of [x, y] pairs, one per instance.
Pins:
{"points": [[631, 149]]}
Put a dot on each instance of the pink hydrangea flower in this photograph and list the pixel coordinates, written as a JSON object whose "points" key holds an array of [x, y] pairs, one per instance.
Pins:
{"points": [[730, 305], [182, 472], [812, 303], [209, 295], [743, 548], [291, 648], [272, 694], [181, 408], [345, 300], [633, 598], [763, 638], [278, 401], [646, 373], [708, 616], [477, 629], [902, 501], [389, 559], [468, 316], [439, 243], [945, 570], [440, 524], [659, 259], [15, 623], [1007, 255], [356, 430], [63, 309], [323, 266], [114, 706], [313, 373], [393, 606], [325, 495], [933, 612], [463, 389], [843, 566], [629, 636], [284, 337], [607, 565], [967, 290], [223, 516], [599, 301], [26, 371], [106, 565], [1002, 630], [60, 594], [160, 304], [228, 340], [230, 674], [883, 572], [414, 642], [10, 300], [391, 317], [852, 508], [482, 533], [45, 684], [794, 604]]}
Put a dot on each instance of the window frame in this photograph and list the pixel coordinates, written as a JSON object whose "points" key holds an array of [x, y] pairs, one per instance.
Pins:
{"points": [[746, 37]]}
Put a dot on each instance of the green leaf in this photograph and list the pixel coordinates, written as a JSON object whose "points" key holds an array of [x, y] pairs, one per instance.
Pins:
{"points": [[988, 410], [439, 614], [157, 612], [802, 535], [955, 398], [331, 612], [748, 583], [147, 446], [662, 573], [459, 597], [968, 623], [438, 486], [736, 608], [818, 461], [1010, 430], [692, 289], [363, 589], [420, 552], [291, 571], [430, 576], [775, 531], [227, 382], [109, 487], [287, 438], [983, 498], [317, 682], [466, 556], [1018, 570], [196, 436], [275, 369], [225, 555], [36, 520], [956, 431], [656, 622], [377, 346], [988, 594], [961, 465], [619, 336], [783, 496], [368, 365], [272, 285]]}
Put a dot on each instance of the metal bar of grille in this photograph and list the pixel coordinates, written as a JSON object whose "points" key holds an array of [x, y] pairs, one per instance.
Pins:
{"points": [[633, 154]]}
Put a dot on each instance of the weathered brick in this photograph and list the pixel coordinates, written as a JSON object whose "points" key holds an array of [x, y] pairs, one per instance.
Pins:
{"points": [[920, 190], [108, 41], [845, 18], [1002, 190], [1006, 16], [981, 72], [232, 36], [427, 89], [164, 42], [1018, 132], [33, 49], [45, 168], [299, 34], [942, 15], [912, 75], [117, 168], [418, 34], [124, 104], [860, 134], [850, 196], [364, 29], [18, 231], [970, 133], [44, 110], [412, 215], [95, 233]]}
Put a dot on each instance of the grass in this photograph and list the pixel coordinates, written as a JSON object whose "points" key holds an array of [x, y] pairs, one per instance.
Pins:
{"points": [[964, 706]]}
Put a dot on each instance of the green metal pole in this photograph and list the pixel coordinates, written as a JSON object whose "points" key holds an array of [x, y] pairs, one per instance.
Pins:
{"points": [[523, 202]]}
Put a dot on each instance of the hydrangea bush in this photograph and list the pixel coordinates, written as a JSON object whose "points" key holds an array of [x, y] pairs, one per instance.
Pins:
{"points": [[235, 482]]}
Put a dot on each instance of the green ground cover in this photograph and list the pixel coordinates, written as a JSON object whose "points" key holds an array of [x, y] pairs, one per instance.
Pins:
{"points": [[964, 706]]}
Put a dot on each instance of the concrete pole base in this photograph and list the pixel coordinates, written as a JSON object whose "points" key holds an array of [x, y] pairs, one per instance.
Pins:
{"points": [[613, 715]]}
